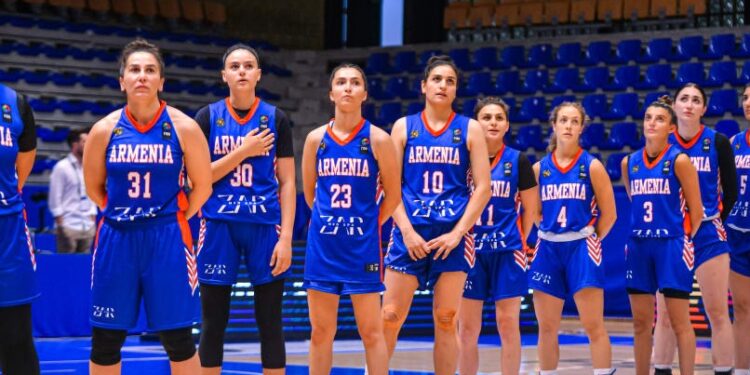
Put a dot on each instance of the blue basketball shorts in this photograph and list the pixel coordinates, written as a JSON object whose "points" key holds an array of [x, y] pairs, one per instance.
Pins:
{"points": [[739, 242], [343, 288], [222, 245], [154, 262], [17, 262], [653, 264], [563, 268], [710, 241], [497, 275], [428, 270]]}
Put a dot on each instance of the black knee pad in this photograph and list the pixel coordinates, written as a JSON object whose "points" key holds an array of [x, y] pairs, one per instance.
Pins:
{"points": [[178, 343], [674, 293], [106, 345]]}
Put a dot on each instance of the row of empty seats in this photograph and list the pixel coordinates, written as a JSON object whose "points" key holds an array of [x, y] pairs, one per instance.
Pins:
{"points": [[485, 13], [191, 11], [570, 54], [624, 77]]}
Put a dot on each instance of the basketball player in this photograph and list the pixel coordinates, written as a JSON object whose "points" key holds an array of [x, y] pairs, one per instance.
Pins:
{"points": [[250, 213], [431, 245], [17, 279], [662, 184], [738, 233], [577, 212], [343, 165], [499, 274], [134, 167], [712, 157]]}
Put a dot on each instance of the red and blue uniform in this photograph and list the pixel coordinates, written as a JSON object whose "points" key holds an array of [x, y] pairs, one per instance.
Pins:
{"points": [[659, 254], [568, 254], [242, 217], [500, 269], [343, 243], [143, 249], [435, 192], [738, 222]]}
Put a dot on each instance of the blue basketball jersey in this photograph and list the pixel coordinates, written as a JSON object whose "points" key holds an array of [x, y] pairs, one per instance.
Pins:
{"points": [[568, 201], [658, 207], [145, 169], [499, 225], [250, 192], [436, 170], [739, 217], [703, 154], [343, 242], [11, 127]]}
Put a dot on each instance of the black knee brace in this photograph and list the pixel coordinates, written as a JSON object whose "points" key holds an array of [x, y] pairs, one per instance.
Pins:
{"points": [[215, 300], [106, 345], [268, 317], [17, 351], [178, 343]]}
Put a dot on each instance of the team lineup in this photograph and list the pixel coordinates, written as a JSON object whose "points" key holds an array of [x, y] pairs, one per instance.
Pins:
{"points": [[463, 205]]}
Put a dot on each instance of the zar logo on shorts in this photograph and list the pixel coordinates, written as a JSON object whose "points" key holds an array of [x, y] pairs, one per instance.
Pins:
{"points": [[7, 117], [372, 267], [103, 312], [215, 269]]}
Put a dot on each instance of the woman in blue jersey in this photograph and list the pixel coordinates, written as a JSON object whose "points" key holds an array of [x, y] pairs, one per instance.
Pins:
{"points": [[347, 167], [250, 213], [666, 212], [499, 274], [711, 154], [738, 234], [134, 168], [441, 153], [17, 261], [577, 212]]}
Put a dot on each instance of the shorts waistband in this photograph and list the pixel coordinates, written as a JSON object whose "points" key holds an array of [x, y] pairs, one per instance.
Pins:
{"points": [[567, 236], [739, 229]]}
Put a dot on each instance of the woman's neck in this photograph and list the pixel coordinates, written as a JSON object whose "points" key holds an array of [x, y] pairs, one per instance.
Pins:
{"points": [[688, 130], [346, 121], [435, 114], [242, 100], [143, 111], [566, 151], [494, 146], [654, 147]]}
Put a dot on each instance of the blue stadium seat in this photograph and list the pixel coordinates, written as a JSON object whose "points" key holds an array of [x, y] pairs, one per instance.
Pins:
{"points": [[728, 127], [185, 62], [262, 93], [535, 80], [627, 50], [214, 64], [220, 91], [593, 135], [424, 57], [722, 101], [596, 52], [37, 77], [743, 51], [81, 54], [486, 57], [368, 111], [531, 108], [64, 79], [404, 62], [10, 75], [689, 72], [656, 50], [622, 134], [688, 47], [199, 88], [623, 105], [44, 104], [507, 82], [613, 165], [399, 86], [594, 78], [595, 105], [560, 99], [6, 47], [414, 107], [462, 60], [174, 86], [389, 113], [512, 56], [53, 52], [22, 22], [719, 45], [565, 79], [28, 50], [650, 98], [377, 63], [74, 107], [112, 56], [721, 72], [467, 107], [625, 76], [744, 77], [656, 75], [539, 54], [530, 136], [101, 108], [376, 90], [567, 54], [478, 83]]}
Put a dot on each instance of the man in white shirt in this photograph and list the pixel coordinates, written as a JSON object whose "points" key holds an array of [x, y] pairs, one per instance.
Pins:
{"points": [[74, 212]]}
